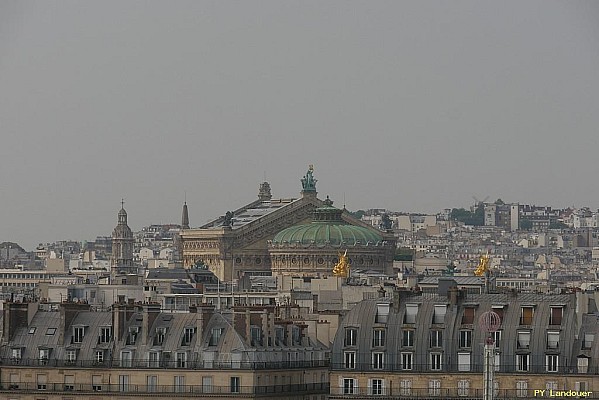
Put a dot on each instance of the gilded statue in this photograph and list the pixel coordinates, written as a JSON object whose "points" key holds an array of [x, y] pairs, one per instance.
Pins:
{"points": [[483, 265], [342, 267]]}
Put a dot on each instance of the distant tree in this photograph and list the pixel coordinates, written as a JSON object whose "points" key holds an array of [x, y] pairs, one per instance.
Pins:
{"points": [[557, 225], [404, 254], [525, 224], [476, 218], [357, 214], [499, 202]]}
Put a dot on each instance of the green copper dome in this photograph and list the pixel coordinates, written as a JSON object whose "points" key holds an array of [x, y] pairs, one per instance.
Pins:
{"points": [[327, 228]]}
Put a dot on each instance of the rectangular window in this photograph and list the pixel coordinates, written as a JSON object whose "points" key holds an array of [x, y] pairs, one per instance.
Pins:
{"points": [[382, 313], [589, 338], [44, 355], [496, 338], [552, 340], [256, 335], [351, 337], [105, 334], [181, 359], [160, 335], [206, 384], [468, 316], [498, 309], [71, 356], [439, 314], [69, 383], [556, 315], [581, 386], [521, 388], [434, 387], [463, 387], [408, 338], [583, 365], [349, 386], [436, 338], [377, 387], [187, 336], [349, 359], [78, 333], [152, 383], [405, 387], [215, 336], [526, 315], [378, 360], [179, 382], [126, 359], [124, 383], [235, 384], [50, 331], [42, 382], [522, 362], [97, 383], [16, 354], [464, 362], [154, 359], [435, 361], [551, 385], [497, 362], [132, 336], [378, 338], [523, 340], [465, 339], [99, 357], [406, 361], [411, 312], [551, 361], [14, 381]]}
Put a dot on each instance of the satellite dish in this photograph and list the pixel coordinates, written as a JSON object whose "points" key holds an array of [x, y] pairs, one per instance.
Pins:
{"points": [[75, 299]]}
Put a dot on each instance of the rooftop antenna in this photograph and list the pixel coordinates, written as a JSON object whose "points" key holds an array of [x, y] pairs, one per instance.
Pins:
{"points": [[344, 200]]}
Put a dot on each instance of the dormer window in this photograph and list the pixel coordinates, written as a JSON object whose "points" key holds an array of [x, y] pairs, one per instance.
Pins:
{"points": [[105, 334], [439, 314], [187, 336], [215, 336], [557, 313], [256, 335], [78, 333], [43, 356], [411, 311], [588, 341], [523, 340], [132, 336], [526, 315], [16, 354], [160, 335], [71, 356], [351, 337], [382, 313], [468, 316]]}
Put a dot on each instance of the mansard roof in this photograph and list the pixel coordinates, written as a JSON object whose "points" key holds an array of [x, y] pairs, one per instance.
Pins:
{"points": [[205, 336]]}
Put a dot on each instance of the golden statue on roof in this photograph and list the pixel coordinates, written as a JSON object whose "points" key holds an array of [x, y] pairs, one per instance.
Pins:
{"points": [[483, 265], [342, 267]]}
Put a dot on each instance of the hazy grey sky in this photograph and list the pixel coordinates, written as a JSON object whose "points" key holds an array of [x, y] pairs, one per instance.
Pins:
{"points": [[407, 105]]}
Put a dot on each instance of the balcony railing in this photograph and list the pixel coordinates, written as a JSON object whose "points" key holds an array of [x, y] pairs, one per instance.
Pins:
{"points": [[449, 394], [164, 364], [478, 368], [310, 388]]}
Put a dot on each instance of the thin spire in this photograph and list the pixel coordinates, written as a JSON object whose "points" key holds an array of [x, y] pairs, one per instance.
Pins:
{"points": [[122, 203]]}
